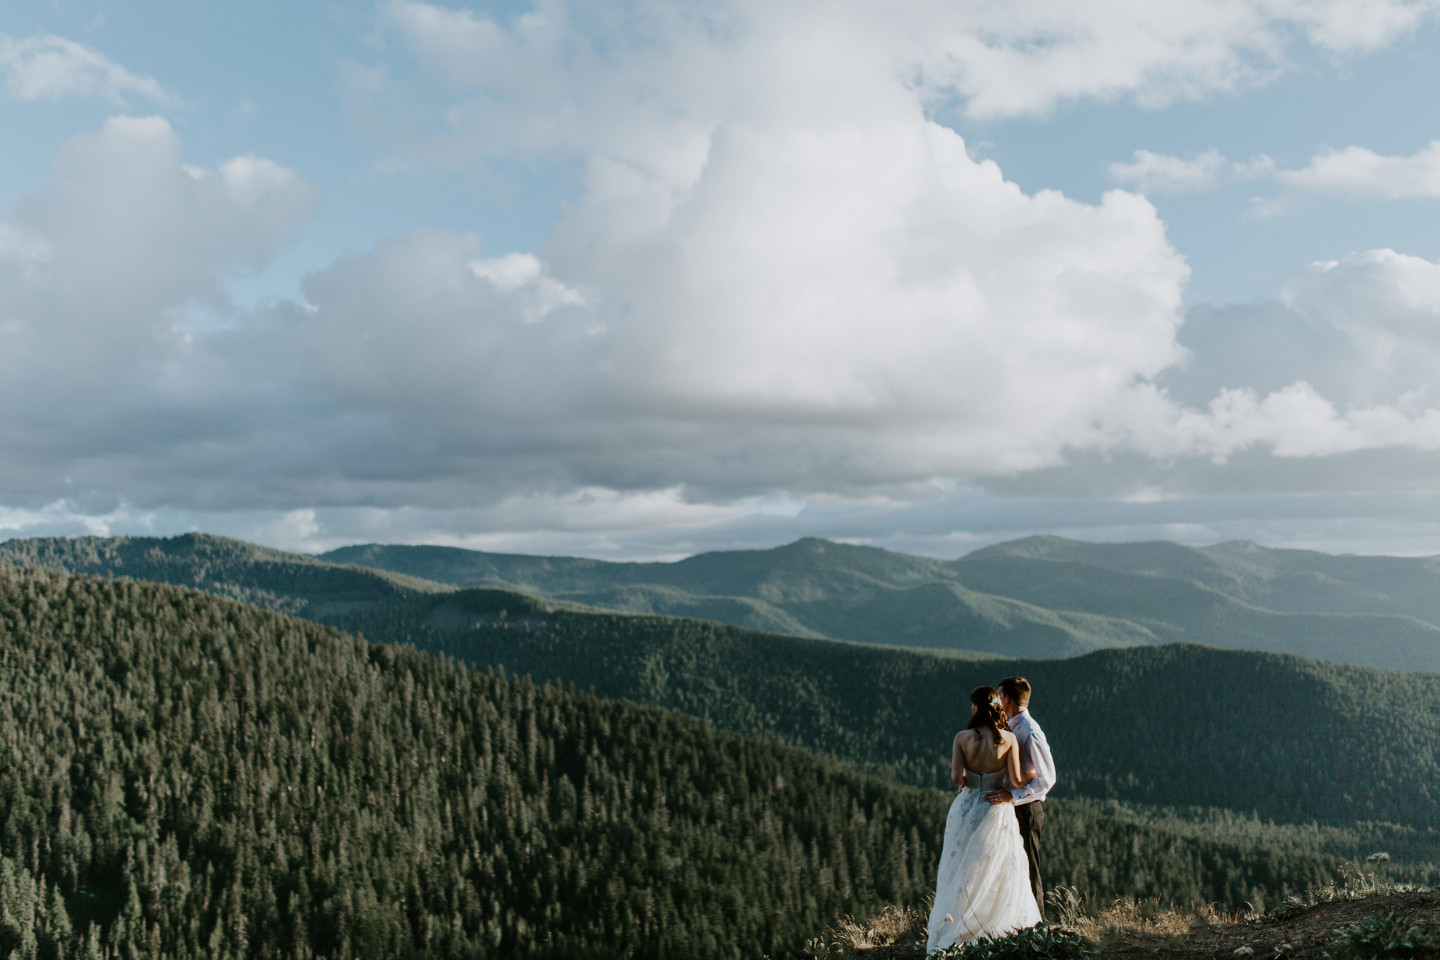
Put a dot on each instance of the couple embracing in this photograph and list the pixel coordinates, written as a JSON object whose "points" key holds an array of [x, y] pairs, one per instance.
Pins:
{"points": [[989, 878]]}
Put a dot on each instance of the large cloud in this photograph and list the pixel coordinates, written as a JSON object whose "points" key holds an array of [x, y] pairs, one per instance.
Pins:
{"points": [[898, 316], [779, 274]]}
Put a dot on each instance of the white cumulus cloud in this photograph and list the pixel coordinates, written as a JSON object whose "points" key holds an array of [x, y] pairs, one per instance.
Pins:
{"points": [[1344, 362], [1360, 172]]}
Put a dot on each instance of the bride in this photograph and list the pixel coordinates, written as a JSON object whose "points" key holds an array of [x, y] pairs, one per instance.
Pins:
{"points": [[983, 887]]}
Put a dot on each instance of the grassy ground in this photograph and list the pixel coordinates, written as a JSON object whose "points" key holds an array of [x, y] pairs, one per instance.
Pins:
{"points": [[1359, 919]]}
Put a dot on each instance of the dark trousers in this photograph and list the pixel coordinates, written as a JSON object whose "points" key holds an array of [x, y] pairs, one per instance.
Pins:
{"points": [[1032, 823]]}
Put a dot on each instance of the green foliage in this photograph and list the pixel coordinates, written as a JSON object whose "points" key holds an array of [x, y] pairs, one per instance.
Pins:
{"points": [[1034, 943], [1384, 936]]}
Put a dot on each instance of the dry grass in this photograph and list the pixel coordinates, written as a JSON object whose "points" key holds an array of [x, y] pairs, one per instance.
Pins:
{"points": [[1354, 883], [892, 927], [1126, 917]]}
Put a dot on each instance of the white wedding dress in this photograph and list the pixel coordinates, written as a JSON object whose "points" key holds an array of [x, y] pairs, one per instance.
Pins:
{"points": [[983, 887]]}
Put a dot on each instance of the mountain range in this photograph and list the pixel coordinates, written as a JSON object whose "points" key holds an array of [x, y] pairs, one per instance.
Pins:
{"points": [[1244, 730], [1041, 597], [1037, 597]]}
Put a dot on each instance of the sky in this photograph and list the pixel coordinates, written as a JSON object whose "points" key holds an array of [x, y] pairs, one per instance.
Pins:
{"points": [[638, 280]]}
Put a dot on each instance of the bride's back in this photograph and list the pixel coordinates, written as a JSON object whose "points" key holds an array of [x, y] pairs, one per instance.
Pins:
{"points": [[983, 752]]}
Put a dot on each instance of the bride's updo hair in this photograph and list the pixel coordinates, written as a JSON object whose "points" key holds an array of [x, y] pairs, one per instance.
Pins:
{"points": [[989, 715]]}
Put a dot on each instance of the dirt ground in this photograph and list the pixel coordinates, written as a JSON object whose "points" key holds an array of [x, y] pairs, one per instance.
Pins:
{"points": [[1305, 935]]}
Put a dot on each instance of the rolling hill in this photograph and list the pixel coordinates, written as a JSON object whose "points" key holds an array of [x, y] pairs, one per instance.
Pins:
{"points": [[808, 588], [1290, 581], [1035, 598], [1040, 597], [287, 582]]}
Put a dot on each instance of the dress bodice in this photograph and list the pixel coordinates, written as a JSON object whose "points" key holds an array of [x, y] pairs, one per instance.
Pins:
{"points": [[985, 781]]}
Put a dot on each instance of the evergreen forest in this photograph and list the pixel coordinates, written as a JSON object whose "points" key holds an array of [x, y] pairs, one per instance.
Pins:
{"points": [[1173, 725], [189, 776]]}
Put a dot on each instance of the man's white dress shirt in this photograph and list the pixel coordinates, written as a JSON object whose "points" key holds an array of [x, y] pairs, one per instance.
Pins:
{"points": [[1034, 752]]}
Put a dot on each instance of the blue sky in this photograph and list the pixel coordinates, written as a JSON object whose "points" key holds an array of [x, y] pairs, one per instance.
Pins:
{"points": [[649, 279]]}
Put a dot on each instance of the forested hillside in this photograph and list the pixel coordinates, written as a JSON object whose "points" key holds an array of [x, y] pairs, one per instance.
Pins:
{"points": [[191, 777], [1176, 609], [1218, 726], [1178, 725]]}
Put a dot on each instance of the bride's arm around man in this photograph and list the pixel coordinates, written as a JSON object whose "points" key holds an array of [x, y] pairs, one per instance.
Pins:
{"points": [[1029, 799]]}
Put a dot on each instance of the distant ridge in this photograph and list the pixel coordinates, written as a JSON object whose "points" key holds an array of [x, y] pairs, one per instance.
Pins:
{"points": [[288, 582], [1295, 581], [1038, 597], [808, 588], [1035, 597]]}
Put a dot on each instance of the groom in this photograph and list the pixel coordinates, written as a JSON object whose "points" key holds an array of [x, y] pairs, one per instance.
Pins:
{"points": [[1029, 800]]}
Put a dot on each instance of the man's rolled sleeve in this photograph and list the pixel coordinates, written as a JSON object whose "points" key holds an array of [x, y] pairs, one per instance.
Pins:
{"points": [[1037, 750]]}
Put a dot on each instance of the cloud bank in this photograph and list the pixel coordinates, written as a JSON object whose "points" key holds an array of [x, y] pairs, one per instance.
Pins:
{"points": [[781, 282]]}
